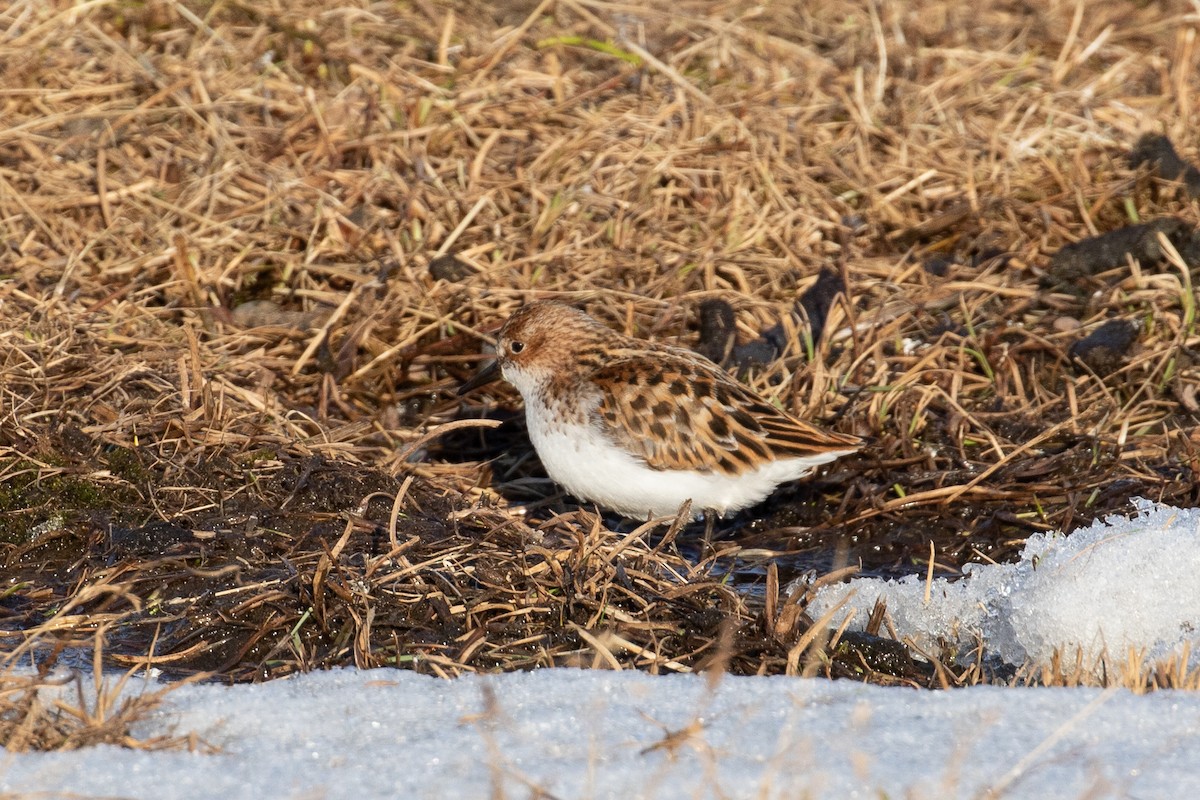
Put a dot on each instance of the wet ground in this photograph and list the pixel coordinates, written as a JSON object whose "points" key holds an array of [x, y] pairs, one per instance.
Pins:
{"points": [[295, 563]]}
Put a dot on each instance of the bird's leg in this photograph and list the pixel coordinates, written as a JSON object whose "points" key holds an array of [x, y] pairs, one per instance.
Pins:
{"points": [[710, 521]]}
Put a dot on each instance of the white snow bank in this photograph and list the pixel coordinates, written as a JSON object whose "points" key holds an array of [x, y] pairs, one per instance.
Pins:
{"points": [[593, 734], [1118, 586]]}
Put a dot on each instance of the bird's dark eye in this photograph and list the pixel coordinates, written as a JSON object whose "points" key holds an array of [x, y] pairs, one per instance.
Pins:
{"points": [[515, 347]]}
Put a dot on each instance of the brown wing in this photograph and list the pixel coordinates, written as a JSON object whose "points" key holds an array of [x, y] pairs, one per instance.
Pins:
{"points": [[685, 414]]}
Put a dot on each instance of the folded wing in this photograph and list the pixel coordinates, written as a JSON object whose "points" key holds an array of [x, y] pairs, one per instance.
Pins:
{"points": [[684, 414]]}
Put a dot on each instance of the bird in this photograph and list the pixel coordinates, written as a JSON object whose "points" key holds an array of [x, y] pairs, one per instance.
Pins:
{"points": [[639, 427]]}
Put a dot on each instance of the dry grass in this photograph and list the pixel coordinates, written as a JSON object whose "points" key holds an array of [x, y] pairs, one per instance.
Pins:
{"points": [[251, 249], [39, 710]]}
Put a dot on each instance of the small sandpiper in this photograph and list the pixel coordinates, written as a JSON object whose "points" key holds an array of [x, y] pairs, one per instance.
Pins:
{"points": [[638, 427]]}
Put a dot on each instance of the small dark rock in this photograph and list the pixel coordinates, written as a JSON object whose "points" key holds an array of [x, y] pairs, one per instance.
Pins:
{"points": [[718, 331], [1158, 151], [1110, 250], [1102, 350], [450, 268], [938, 266], [818, 300], [718, 338]]}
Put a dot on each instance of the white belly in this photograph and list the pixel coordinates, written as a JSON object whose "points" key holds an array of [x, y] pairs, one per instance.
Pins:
{"points": [[588, 466]]}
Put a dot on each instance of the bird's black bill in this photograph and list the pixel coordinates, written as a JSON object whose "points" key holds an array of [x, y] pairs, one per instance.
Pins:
{"points": [[485, 375]]}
